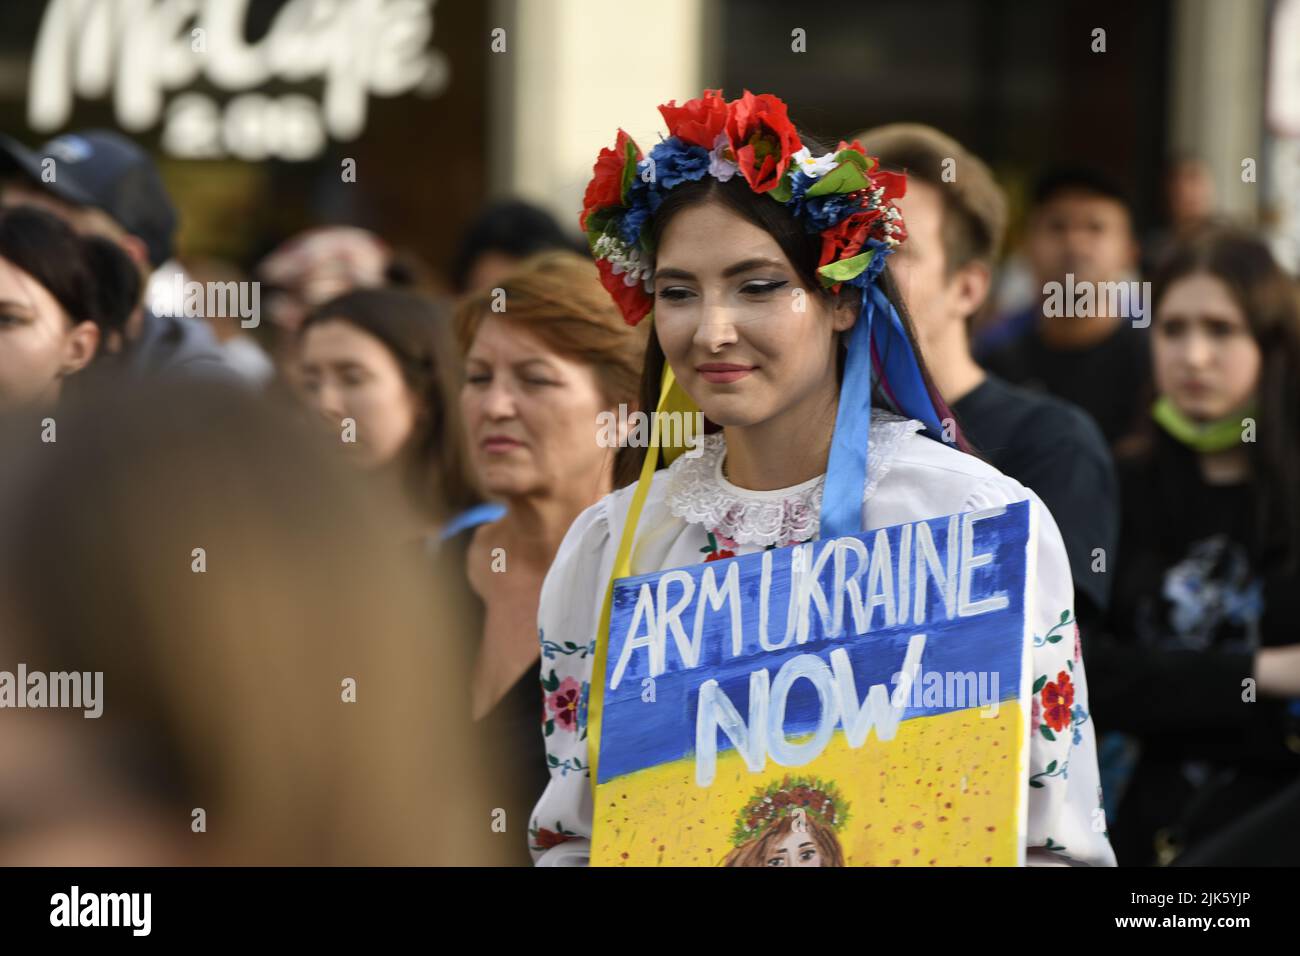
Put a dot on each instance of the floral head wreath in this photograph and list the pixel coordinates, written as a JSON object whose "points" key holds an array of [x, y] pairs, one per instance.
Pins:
{"points": [[817, 800], [843, 195]]}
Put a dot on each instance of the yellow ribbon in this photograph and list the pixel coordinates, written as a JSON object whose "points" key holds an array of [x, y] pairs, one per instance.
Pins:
{"points": [[671, 398]]}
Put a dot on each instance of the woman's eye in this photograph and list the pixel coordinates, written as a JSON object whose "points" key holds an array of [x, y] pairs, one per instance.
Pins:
{"points": [[762, 288], [675, 294], [807, 855], [478, 379], [538, 381]]}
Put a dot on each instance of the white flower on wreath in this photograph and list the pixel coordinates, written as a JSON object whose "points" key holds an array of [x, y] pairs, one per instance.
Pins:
{"points": [[816, 167]]}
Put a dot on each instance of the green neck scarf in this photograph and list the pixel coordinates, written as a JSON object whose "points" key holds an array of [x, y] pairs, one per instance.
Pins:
{"points": [[1201, 436]]}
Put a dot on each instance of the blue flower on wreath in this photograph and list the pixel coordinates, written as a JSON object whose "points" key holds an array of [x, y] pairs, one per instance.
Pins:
{"points": [[677, 162], [671, 163], [633, 221], [820, 212], [825, 212], [875, 266]]}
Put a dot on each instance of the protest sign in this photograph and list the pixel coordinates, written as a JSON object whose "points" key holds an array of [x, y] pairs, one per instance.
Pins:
{"points": [[855, 701]]}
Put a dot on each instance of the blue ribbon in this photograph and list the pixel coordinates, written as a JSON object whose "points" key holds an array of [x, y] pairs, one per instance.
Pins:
{"points": [[846, 471]]}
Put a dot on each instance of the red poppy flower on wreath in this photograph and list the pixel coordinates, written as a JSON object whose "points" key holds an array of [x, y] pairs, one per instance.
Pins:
{"points": [[697, 121], [764, 139], [846, 240], [895, 183], [634, 302], [606, 186], [1058, 698]]}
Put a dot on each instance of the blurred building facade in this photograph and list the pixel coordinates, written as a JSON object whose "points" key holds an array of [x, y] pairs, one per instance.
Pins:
{"points": [[442, 104]]}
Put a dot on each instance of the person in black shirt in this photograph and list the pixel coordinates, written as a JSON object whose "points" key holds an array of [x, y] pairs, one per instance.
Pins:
{"points": [[1199, 656], [955, 227], [1086, 341]]}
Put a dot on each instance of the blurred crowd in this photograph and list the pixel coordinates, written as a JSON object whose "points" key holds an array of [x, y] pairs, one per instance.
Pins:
{"points": [[333, 479]]}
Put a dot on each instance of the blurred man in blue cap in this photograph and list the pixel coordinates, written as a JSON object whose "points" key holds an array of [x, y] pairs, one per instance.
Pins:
{"points": [[101, 183]]}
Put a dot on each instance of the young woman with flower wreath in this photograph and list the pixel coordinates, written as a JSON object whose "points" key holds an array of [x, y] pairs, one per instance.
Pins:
{"points": [[774, 315]]}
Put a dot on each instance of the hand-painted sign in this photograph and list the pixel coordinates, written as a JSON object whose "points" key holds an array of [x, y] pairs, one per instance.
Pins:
{"points": [[855, 701]]}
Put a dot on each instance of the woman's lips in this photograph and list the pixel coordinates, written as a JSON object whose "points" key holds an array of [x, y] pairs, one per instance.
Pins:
{"points": [[499, 445], [721, 373]]}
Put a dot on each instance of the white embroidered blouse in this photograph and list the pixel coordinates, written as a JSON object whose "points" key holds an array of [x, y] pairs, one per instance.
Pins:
{"points": [[692, 514]]}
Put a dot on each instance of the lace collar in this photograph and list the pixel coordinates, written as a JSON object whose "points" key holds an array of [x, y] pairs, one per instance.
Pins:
{"points": [[698, 492]]}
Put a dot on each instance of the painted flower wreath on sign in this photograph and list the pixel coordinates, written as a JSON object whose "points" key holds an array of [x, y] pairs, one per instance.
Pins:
{"points": [[844, 196]]}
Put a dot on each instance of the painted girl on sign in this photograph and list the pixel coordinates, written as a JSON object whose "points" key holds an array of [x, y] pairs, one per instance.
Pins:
{"points": [[793, 823]]}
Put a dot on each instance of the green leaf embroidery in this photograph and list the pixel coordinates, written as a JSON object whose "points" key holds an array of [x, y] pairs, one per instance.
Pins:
{"points": [[1047, 732], [1040, 683]]}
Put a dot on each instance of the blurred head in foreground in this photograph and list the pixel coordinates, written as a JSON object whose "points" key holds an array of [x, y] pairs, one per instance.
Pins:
{"points": [[273, 690]]}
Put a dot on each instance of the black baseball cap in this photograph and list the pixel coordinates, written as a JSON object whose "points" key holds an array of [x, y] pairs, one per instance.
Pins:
{"points": [[105, 170]]}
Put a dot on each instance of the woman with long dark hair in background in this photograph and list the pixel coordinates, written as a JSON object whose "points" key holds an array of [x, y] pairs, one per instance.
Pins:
{"points": [[1201, 649], [377, 365]]}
